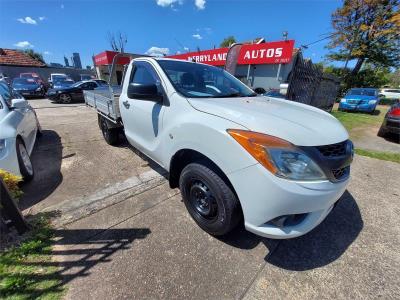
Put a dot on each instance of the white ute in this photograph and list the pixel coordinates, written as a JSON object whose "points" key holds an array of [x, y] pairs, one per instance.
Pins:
{"points": [[278, 165]]}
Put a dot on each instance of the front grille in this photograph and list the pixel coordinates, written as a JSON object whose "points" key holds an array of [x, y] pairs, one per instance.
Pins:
{"points": [[341, 173], [333, 150]]}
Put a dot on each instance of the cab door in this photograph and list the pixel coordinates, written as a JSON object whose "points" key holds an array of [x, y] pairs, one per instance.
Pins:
{"points": [[143, 118]]}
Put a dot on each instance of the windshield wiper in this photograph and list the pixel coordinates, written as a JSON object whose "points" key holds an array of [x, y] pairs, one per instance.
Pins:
{"points": [[228, 95], [252, 95]]}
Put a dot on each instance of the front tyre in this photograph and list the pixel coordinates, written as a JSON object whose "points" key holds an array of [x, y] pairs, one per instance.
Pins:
{"points": [[24, 161], [209, 200]]}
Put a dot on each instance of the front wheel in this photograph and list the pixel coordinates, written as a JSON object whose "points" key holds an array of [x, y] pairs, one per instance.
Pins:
{"points": [[209, 200], [24, 161]]}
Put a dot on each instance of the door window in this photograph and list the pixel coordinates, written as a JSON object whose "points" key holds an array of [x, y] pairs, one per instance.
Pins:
{"points": [[5, 93], [144, 73]]}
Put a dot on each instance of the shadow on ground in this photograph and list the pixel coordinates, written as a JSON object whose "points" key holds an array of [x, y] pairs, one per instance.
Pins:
{"points": [[46, 160], [72, 255], [323, 245]]}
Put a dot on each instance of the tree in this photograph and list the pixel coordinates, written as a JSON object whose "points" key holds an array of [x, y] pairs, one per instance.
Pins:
{"points": [[366, 31], [228, 41], [395, 79], [117, 41], [35, 55]]}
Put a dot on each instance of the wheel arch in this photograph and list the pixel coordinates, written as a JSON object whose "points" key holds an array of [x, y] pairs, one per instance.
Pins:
{"points": [[184, 157]]}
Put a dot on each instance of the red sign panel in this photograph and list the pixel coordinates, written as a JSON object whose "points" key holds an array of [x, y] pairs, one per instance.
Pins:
{"points": [[266, 53], [255, 54], [215, 57], [106, 58]]}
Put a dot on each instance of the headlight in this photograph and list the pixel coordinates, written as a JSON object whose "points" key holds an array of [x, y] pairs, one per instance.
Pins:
{"points": [[38, 89], [342, 100], [278, 156], [372, 102]]}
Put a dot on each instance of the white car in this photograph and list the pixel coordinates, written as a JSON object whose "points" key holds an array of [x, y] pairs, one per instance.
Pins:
{"points": [[278, 165], [19, 127], [390, 93]]}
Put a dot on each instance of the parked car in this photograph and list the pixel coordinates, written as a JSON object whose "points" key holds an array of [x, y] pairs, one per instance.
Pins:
{"points": [[62, 83], [279, 165], [101, 82], [360, 99], [19, 129], [391, 122], [5, 78], [71, 93], [274, 93], [390, 93], [57, 77], [28, 87], [86, 77], [32, 75]]}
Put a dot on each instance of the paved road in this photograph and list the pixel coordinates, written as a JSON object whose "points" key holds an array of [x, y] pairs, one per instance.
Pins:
{"points": [[125, 234]]}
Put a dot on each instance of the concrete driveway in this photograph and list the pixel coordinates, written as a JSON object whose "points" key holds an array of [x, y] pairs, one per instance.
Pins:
{"points": [[124, 234]]}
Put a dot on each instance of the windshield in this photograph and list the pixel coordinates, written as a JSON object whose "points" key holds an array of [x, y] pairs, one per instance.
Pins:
{"points": [[63, 82], [202, 81], [59, 77], [77, 84], [364, 92], [23, 81]]}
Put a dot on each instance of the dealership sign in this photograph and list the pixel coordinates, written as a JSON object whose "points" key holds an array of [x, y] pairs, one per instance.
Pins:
{"points": [[106, 58], [254, 54]]}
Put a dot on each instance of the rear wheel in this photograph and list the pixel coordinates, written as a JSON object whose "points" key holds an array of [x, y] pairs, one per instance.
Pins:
{"points": [[111, 135], [65, 98], [209, 200], [24, 161]]}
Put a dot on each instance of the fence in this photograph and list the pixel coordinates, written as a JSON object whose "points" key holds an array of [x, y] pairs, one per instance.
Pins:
{"points": [[309, 85]]}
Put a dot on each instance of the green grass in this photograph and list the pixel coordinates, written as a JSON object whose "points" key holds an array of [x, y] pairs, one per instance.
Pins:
{"points": [[389, 156], [26, 271], [352, 120]]}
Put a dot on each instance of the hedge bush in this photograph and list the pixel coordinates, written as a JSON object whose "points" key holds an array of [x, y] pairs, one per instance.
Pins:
{"points": [[12, 182]]}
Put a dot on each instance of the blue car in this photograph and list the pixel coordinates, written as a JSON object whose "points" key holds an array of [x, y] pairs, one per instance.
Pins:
{"points": [[360, 99]]}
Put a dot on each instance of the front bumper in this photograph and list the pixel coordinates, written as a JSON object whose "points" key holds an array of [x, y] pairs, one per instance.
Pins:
{"points": [[265, 197], [357, 107], [32, 93], [8, 157]]}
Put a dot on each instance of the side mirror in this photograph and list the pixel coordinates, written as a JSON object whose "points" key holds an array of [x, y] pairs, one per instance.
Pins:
{"points": [[19, 103], [144, 92]]}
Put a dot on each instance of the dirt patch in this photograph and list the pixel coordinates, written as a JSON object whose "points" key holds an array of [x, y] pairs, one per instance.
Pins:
{"points": [[367, 138]]}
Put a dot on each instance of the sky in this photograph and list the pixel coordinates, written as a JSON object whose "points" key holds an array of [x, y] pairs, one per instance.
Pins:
{"points": [[57, 28]]}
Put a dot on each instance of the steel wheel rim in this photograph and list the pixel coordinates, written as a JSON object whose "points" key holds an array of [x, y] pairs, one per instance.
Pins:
{"points": [[25, 159], [202, 200], [65, 98]]}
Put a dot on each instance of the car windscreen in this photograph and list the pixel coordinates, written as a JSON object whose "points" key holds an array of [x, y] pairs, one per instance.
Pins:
{"points": [[201, 81], [76, 84], [64, 82], [358, 92], [23, 81]]}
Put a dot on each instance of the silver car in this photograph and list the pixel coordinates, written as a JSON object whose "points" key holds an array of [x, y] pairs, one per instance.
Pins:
{"points": [[19, 128]]}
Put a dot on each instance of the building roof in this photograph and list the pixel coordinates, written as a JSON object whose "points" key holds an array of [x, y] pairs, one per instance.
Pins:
{"points": [[13, 57]]}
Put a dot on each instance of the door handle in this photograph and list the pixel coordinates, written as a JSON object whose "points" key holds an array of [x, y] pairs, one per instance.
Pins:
{"points": [[126, 104]]}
